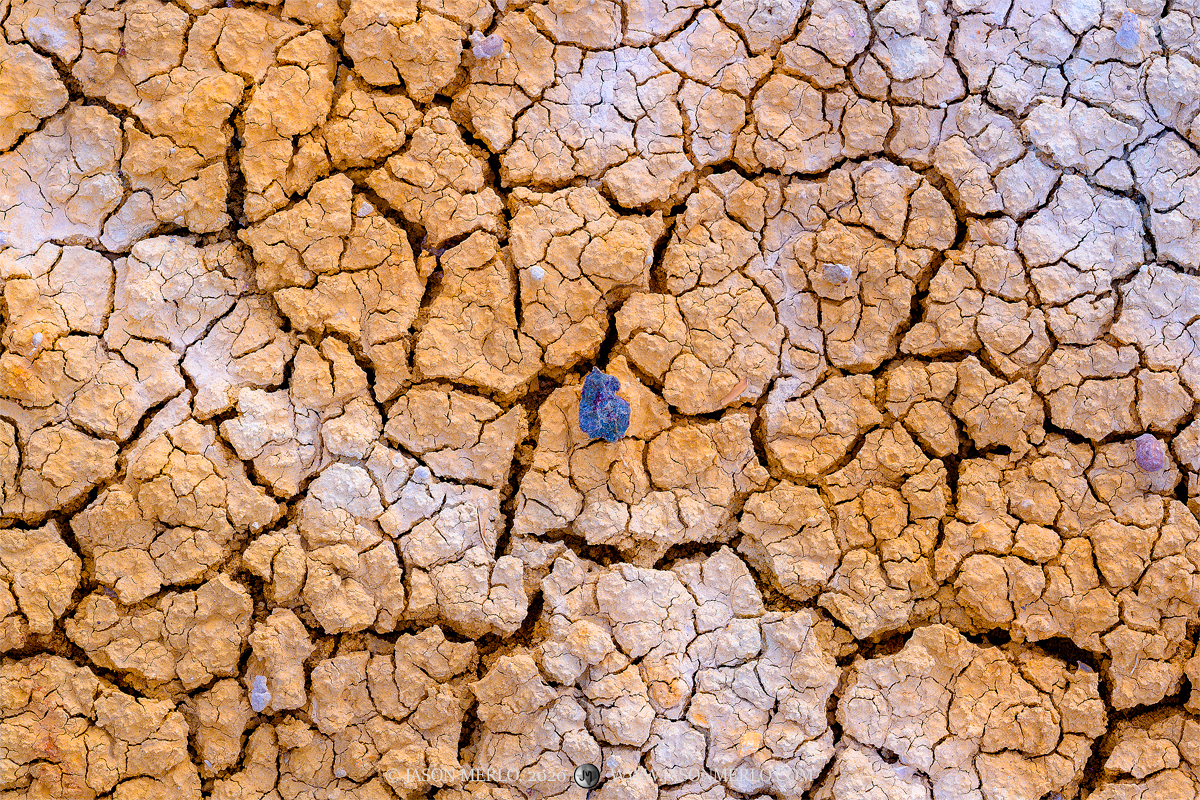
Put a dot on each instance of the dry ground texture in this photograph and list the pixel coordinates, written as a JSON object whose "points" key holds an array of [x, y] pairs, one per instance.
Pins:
{"points": [[298, 298]]}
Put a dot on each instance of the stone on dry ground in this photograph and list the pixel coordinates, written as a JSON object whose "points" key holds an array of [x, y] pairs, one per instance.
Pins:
{"points": [[298, 300]]}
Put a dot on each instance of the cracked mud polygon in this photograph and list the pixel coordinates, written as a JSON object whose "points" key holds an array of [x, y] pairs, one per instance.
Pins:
{"points": [[299, 299]]}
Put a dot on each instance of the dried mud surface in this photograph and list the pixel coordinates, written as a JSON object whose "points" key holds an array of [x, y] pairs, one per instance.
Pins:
{"points": [[298, 299]]}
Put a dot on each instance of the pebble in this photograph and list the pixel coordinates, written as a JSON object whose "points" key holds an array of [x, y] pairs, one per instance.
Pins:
{"points": [[485, 47], [1127, 34], [1150, 456], [536, 272], [837, 273], [603, 413], [259, 695]]}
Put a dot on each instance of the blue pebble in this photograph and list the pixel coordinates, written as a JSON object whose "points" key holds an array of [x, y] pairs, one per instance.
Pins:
{"points": [[602, 414], [1127, 34]]}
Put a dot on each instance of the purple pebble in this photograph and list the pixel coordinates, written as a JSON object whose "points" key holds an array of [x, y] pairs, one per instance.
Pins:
{"points": [[485, 47], [1150, 455]]}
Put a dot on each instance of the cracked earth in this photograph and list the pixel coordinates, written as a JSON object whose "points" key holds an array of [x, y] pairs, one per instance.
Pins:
{"points": [[299, 297]]}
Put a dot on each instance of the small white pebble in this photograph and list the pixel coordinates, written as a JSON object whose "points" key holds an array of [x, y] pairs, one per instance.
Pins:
{"points": [[1083, 666], [536, 272], [339, 773], [421, 474], [259, 696], [381, 18], [931, 7], [837, 273], [36, 341], [208, 764], [365, 209]]}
